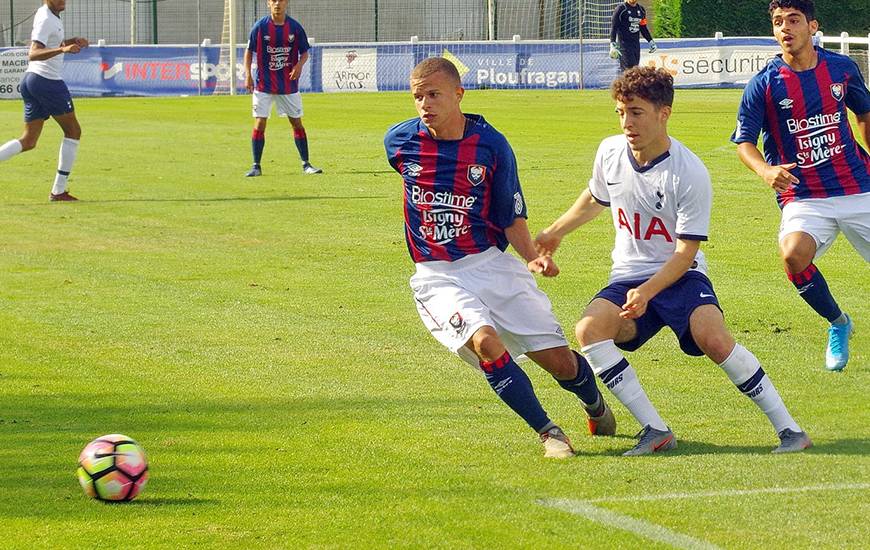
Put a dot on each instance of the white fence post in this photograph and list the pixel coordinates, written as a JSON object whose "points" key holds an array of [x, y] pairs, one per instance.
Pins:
{"points": [[844, 43]]}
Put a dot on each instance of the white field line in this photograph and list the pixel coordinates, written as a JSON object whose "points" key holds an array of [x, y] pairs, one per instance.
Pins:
{"points": [[627, 523], [737, 492], [658, 533]]}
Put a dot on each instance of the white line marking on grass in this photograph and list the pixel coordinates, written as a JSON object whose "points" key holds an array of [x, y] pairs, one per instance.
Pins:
{"points": [[737, 492], [658, 533], [627, 523]]}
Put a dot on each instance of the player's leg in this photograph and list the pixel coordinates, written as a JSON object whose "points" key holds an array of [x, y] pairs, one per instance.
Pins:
{"points": [[598, 331], [300, 138], [513, 386], [524, 319], [291, 106], [258, 143], [69, 146], [854, 222], [35, 114], [461, 322], [262, 108], [26, 142], [808, 229], [707, 326], [573, 373]]}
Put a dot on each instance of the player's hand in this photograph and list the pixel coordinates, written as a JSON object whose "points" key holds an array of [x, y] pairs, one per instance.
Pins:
{"points": [[779, 178], [81, 42], [71, 48], [249, 83], [544, 265], [615, 52], [546, 243], [652, 46], [635, 304], [295, 72]]}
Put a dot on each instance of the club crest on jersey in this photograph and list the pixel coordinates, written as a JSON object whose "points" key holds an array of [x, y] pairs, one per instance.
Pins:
{"points": [[476, 174], [457, 322], [837, 91]]}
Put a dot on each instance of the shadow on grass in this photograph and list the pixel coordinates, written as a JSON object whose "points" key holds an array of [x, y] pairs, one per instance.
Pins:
{"points": [[177, 501], [285, 198]]}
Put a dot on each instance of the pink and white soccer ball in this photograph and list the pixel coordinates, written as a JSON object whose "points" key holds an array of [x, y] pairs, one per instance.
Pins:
{"points": [[113, 467]]}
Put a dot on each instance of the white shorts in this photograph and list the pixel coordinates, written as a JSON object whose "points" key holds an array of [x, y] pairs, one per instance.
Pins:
{"points": [[493, 288], [822, 219], [288, 105]]}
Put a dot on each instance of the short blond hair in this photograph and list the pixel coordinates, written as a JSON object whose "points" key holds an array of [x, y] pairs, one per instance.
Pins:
{"points": [[432, 65]]}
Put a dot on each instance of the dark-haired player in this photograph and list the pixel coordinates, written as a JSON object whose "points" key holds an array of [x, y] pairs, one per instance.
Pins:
{"points": [[660, 197], [463, 206], [821, 175], [281, 48]]}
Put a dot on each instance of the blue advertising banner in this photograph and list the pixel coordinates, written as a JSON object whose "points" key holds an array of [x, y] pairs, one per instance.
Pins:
{"points": [[192, 70]]}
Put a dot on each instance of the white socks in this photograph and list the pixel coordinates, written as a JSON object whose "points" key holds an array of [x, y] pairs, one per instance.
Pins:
{"points": [[744, 370], [610, 365], [68, 149], [10, 149]]}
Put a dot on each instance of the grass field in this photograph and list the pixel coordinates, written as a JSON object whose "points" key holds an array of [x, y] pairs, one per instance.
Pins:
{"points": [[258, 338]]}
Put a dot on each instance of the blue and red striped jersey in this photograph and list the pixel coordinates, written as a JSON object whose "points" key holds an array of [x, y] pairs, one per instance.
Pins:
{"points": [[459, 195], [802, 118], [276, 49]]}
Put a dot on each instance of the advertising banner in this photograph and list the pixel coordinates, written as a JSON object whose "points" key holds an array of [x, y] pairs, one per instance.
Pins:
{"points": [[13, 63], [192, 70], [349, 69]]}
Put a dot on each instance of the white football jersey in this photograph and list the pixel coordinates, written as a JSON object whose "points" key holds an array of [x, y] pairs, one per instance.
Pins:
{"points": [[47, 29], [652, 206]]}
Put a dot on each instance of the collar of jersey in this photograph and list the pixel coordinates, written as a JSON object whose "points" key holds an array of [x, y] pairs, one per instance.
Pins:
{"points": [[471, 122], [641, 169]]}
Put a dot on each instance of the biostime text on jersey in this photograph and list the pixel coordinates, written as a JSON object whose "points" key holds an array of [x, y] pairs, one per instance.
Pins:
{"points": [[817, 138], [446, 217]]}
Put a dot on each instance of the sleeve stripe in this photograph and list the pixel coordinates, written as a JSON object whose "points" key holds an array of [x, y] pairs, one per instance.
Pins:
{"points": [[687, 237], [599, 201]]}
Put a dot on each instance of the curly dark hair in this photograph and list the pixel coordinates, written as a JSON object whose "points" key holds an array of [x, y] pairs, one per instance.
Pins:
{"points": [[432, 65], [648, 83], [804, 6]]}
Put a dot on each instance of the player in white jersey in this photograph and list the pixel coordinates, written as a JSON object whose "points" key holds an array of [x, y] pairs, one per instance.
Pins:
{"points": [[660, 196], [45, 94]]}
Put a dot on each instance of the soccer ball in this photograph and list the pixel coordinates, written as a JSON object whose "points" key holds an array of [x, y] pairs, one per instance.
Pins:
{"points": [[112, 467]]}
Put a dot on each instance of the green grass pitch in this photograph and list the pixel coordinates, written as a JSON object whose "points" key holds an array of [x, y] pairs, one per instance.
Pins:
{"points": [[258, 338]]}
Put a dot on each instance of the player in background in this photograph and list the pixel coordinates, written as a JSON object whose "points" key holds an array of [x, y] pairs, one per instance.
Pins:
{"points": [[463, 205], [660, 198], [819, 171], [45, 94], [628, 20], [281, 48]]}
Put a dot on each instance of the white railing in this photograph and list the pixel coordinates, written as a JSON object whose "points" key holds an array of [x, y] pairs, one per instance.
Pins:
{"points": [[844, 40]]}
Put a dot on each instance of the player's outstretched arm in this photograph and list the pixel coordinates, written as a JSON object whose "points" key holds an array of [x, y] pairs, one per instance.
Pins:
{"points": [[78, 41], [778, 176], [519, 237], [38, 51], [636, 299], [584, 209]]}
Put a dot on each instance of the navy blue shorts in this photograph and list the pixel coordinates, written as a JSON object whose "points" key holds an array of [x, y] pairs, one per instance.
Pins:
{"points": [[671, 307], [44, 98]]}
